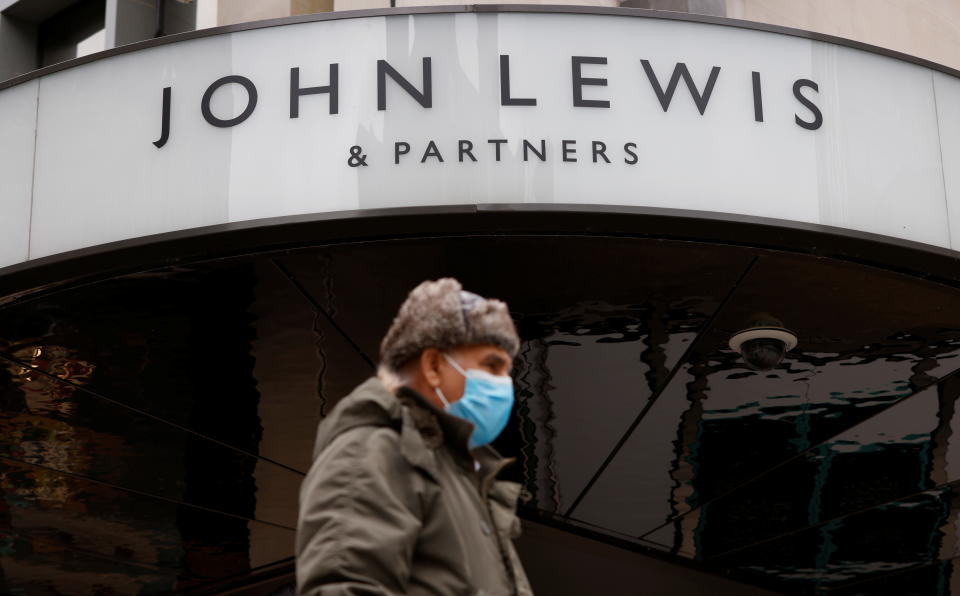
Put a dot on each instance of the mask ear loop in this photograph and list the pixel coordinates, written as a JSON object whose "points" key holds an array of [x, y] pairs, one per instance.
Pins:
{"points": [[458, 368], [440, 395], [455, 364]]}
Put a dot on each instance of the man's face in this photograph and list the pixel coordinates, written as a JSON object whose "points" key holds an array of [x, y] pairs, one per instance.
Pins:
{"points": [[491, 359]]}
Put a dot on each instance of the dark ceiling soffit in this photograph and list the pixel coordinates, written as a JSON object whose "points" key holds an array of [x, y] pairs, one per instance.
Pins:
{"points": [[523, 219], [34, 12], [482, 8]]}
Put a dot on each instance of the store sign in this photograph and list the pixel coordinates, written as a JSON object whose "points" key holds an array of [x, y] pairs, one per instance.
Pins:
{"points": [[465, 147], [465, 108]]}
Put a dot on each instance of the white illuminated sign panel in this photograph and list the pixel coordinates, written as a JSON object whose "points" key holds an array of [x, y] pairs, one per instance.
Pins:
{"points": [[464, 108]]}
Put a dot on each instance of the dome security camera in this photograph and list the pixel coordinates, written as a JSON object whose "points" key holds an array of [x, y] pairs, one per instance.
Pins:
{"points": [[763, 344]]}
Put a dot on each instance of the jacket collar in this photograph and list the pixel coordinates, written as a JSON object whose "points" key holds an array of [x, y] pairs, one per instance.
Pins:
{"points": [[437, 427], [423, 428]]}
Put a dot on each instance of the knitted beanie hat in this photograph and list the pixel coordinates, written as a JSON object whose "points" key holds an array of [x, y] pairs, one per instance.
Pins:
{"points": [[440, 314]]}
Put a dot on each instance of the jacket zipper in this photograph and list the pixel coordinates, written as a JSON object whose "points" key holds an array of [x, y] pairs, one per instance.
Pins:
{"points": [[504, 555]]}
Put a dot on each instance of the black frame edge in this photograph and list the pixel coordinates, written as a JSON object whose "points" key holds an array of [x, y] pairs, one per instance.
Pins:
{"points": [[290, 233]]}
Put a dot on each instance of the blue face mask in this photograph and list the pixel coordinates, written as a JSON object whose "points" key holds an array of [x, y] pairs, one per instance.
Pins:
{"points": [[486, 402]]}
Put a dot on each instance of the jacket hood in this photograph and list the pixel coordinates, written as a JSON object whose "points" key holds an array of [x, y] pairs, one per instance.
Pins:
{"points": [[422, 426], [370, 404]]}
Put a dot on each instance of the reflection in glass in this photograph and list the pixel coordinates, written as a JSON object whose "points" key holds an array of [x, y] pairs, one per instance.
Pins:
{"points": [[155, 426]]}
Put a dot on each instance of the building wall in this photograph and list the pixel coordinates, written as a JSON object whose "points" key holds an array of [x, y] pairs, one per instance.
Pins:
{"points": [[18, 40], [230, 12], [926, 28]]}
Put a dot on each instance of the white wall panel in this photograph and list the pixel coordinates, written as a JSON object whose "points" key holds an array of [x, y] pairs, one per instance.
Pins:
{"points": [[883, 138], [18, 117], [99, 177], [948, 109]]}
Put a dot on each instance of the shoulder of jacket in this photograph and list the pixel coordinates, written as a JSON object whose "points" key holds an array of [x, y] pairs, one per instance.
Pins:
{"points": [[379, 443], [362, 439], [369, 405]]}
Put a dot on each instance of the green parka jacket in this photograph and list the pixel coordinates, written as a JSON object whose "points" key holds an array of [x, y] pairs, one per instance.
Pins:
{"points": [[395, 504]]}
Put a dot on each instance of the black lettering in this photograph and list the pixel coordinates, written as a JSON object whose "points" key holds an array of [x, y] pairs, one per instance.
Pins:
{"points": [[164, 119], [296, 91], [681, 71], [208, 95], [632, 158], [542, 154], [757, 98], [400, 148], [424, 98], [496, 144], [579, 81], [817, 115], [466, 148], [599, 149], [569, 148], [505, 99], [431, 151]]}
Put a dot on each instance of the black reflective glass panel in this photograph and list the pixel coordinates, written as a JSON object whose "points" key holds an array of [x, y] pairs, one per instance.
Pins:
{"points": [[193, 394], [868, 340], [602, 323]]}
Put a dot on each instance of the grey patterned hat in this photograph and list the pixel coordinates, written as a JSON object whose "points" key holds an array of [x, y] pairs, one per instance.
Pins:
{"points": [[440, 314]]}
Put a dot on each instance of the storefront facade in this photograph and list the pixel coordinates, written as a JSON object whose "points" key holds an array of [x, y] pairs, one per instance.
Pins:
{"points": [[205, 236]]}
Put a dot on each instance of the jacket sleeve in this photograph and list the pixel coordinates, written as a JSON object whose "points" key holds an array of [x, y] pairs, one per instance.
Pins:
{"points": [[359, 517]]}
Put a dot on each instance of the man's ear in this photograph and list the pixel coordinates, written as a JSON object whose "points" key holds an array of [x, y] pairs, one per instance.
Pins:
{"points": [[430, 366]]}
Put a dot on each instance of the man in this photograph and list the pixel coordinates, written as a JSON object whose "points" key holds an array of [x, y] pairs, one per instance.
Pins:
{"points": [[402, 496]]}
